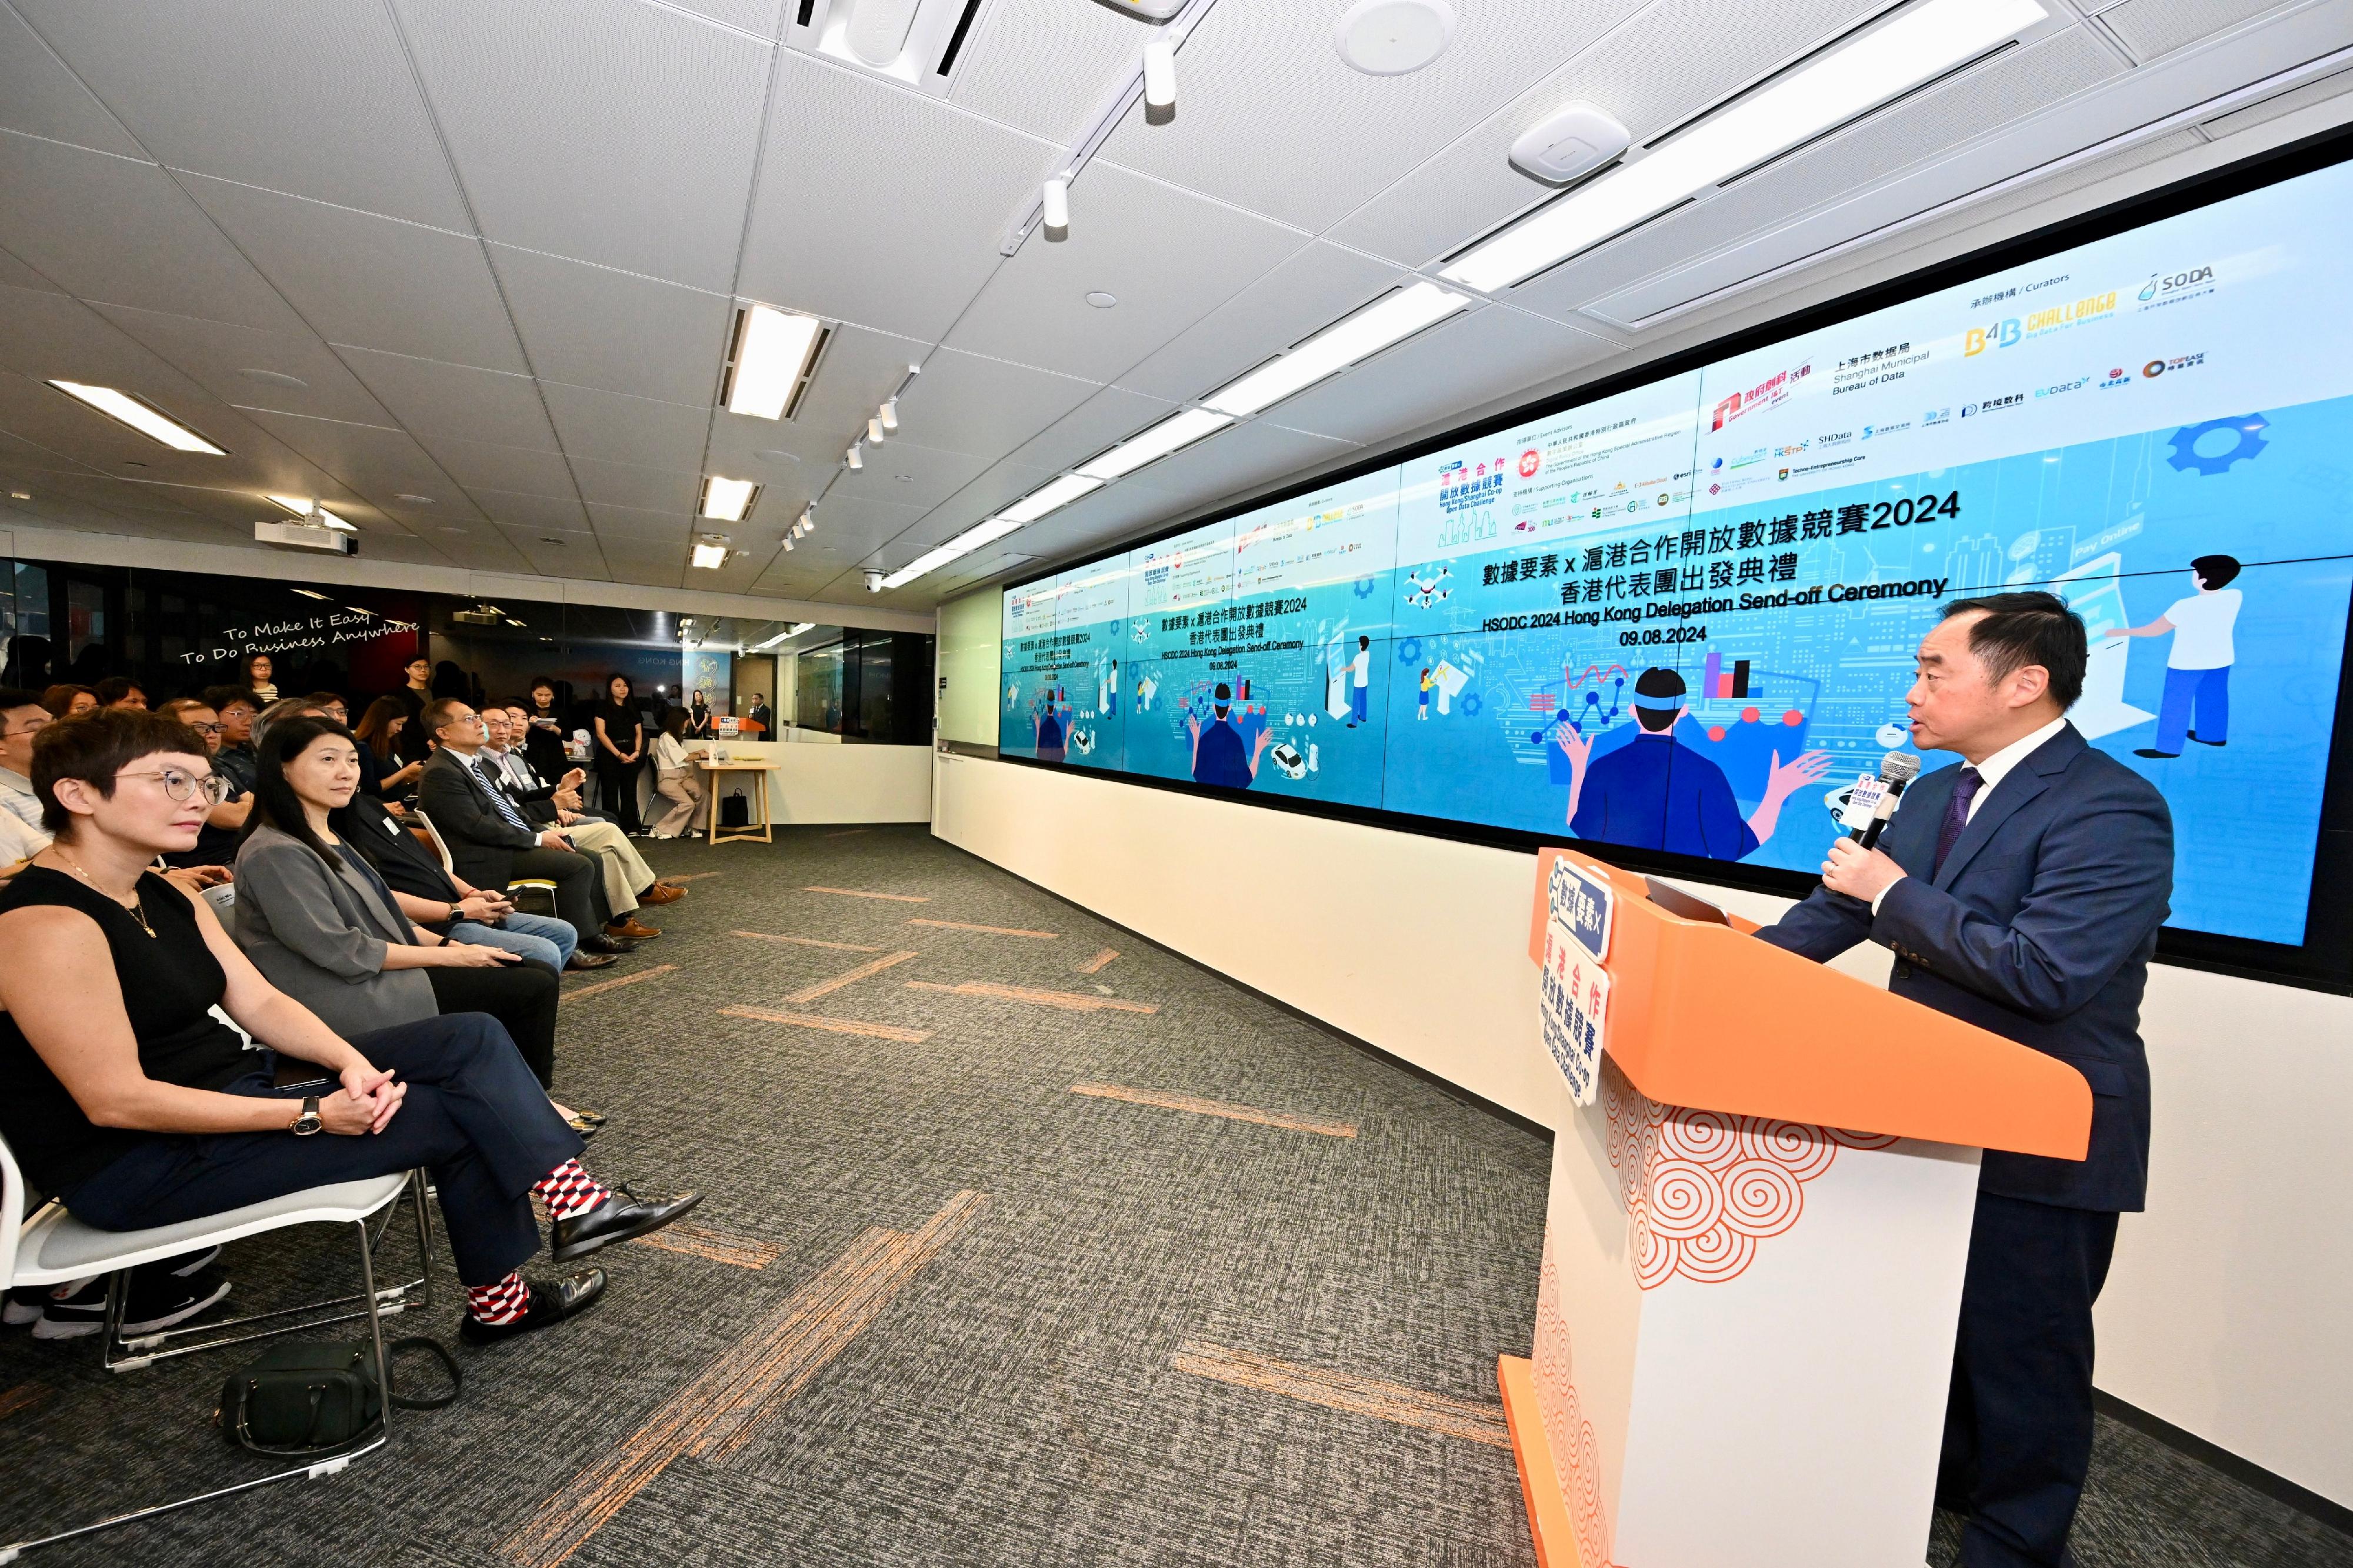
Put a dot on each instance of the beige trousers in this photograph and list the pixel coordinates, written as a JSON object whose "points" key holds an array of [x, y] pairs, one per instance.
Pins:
{"points": [[683, 787], [625, 870]]}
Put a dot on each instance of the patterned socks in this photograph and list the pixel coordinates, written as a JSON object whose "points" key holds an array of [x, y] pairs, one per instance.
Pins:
{"points": [[568, 1190], [500, 1303]]}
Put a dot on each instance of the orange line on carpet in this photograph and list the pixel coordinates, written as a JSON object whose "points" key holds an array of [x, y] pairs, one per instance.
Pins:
{"points": [[862, 893], [718, 1246], [849, 977], [992, 931], [590, 990], [1216, 1108], [834, 1026], [748, 1385], [1094, 965], [693, 875], [24, 1396], [1069, 1001], [1473, 1420], [805, 940]]}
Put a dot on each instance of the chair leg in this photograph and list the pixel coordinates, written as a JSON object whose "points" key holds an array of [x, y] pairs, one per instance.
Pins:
{"points": [[424, 1237], [118, 1292], [376, 1338]]}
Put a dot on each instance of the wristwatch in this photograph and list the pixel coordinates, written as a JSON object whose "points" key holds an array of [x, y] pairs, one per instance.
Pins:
{"points": [[457, 913], [310, 1121]]}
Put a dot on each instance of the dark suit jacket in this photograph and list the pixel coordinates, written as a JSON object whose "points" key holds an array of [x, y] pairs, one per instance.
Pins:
{"points": [[2039, 928], [482, 843]]}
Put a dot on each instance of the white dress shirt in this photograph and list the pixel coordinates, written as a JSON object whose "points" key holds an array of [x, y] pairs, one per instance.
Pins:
{"points": [[1990, 772], [17, 798]]}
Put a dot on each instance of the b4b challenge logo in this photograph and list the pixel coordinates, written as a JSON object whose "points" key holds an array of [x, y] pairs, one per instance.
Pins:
{"points": [[2012, 331]]}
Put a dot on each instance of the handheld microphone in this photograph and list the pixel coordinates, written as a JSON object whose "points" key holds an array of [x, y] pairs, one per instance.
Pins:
{"points": [[1878, 796]]}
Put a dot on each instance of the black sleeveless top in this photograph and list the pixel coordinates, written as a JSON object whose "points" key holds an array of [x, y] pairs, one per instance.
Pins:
{"points": [[169, 982]]}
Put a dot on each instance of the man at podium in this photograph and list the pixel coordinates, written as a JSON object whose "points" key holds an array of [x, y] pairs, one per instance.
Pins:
{"points": [[2021, 892]]}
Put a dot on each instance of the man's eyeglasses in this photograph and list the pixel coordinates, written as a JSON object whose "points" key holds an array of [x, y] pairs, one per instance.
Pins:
{"points": [[205, 729], [181, 785]]}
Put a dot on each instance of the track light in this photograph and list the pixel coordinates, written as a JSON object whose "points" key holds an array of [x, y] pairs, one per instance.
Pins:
{"points": [[875, 436], [1057, 209], [890, 414], [854, 457], [808, 520], [1159, 81]]}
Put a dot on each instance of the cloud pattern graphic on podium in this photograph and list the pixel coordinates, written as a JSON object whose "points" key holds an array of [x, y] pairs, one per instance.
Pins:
{"points": [[1681, 617]]}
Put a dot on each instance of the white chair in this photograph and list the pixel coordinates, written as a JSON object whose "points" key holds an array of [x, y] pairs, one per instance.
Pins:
{"points": [[222, 897], [51, 1247], [449, 867]]}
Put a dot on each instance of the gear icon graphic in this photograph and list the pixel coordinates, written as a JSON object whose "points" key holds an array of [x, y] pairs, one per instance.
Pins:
{"points": [[1409, 650], [1364, 587], [2247, 433], [1470, 706]]}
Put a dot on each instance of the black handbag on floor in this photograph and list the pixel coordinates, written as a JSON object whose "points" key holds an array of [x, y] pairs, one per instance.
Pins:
{"points": [[308, 1398], [735, 811]]}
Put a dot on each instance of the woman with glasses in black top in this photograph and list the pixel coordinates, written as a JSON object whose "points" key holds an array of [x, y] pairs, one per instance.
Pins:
{"points": [[122, 1096]]}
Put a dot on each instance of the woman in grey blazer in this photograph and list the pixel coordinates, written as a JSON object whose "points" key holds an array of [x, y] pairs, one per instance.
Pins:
{"points": [[318, 921]]}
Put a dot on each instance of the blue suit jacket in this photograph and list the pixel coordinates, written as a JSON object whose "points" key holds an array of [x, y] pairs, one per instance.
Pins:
{"points": [[2039, 928]]}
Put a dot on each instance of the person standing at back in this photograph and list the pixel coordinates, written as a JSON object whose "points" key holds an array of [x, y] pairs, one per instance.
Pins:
{"points": [[2021, 892], [255, 673], [619, 731], [412, 697]]}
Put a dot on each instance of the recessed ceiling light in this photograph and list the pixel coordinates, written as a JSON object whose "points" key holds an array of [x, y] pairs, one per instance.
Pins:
{"points": [[777, 454], [1387, 320], [145, 418], [311, 593], [304, 506], [772, 353], [20, 495], [1102, 298], [728, 500], [1922, 42], [415, 501], [273, 378], [1048, 496], [1391, 37], [513, 622], [904, 478], [710, 553], [451, 528], [963, 544], [551, 539], [1177, 430]]}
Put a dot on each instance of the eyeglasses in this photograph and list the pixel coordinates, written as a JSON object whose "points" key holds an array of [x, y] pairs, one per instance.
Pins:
{"points": [[33, 727], [205, 729], [181, 785]]}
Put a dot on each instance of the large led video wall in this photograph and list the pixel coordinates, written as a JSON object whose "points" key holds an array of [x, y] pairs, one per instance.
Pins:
{"points": [[2156, 426]]}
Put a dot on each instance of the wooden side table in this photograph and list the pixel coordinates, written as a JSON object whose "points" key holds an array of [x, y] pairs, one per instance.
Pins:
{"points": [[762, 829]]}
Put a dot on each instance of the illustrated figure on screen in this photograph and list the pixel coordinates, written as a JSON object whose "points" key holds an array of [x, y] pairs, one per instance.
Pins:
{"points": [[1110, 704], [1220, 755], [1146, 689], [2197, 701], [1049, 728], [1655, 792], [1426, 684], [1360, 670]]}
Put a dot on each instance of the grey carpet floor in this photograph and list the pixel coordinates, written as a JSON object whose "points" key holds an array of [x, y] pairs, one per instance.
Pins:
{"points": [[845, 1361]]}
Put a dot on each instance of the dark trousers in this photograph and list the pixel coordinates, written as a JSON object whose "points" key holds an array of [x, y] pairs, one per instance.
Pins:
{"points": [[474, 1117], [616, 785], [579, 890], [2017, 1425], [522, 997]]}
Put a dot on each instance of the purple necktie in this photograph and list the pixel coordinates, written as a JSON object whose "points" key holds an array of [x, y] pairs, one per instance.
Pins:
{"points": [[1957, 816]]}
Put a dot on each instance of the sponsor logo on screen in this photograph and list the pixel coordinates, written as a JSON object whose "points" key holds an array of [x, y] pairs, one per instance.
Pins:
{"points": [[1764, 395]]}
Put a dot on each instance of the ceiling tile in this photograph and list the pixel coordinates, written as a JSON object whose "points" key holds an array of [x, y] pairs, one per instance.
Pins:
{"points": [[2150, 28], [38, 95], [574, 555], [860, 216], [524, 469], [594, 327], [859, 369], [607, 426], [968, 403], [315, 99], [370, 281], [1107, 418], [48, 417], [1463, 363], [1671, 60], [1309, 290], [615, 132], [109, 228], [628, 484], [902, 473], [14, 273], [1170, 257], [1269, 116], [221, 357], [1046, 66], [373, 461], [523, 511], [641, 524], [433, 399]]}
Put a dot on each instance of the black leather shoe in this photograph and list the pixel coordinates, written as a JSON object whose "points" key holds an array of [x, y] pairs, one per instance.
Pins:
{"points": [[597, 941], [618, 1218], [585, 960], [551, 1302]]}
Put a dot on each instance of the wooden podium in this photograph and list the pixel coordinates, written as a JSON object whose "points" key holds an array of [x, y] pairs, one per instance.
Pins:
{"points": [[1753, 1254]]}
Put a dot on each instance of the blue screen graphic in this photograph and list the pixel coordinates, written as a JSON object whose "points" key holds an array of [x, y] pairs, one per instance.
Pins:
{"points": [[1462, 636]]}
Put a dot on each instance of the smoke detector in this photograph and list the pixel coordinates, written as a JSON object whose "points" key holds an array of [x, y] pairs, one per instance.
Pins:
{"points": [[1392, 38]]}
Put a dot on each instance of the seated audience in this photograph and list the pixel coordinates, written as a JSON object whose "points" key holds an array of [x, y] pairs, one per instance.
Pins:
{"points": [[216, 845], [383, 774], [122, 1096], [463, 780], [322, 925], [678, 781], [235, 708], [69, 700], [332, 706], [120, 691], [23, 716]]}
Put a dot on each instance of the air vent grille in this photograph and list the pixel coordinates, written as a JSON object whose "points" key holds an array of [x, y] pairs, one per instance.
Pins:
{"points": [[918, 43]]}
